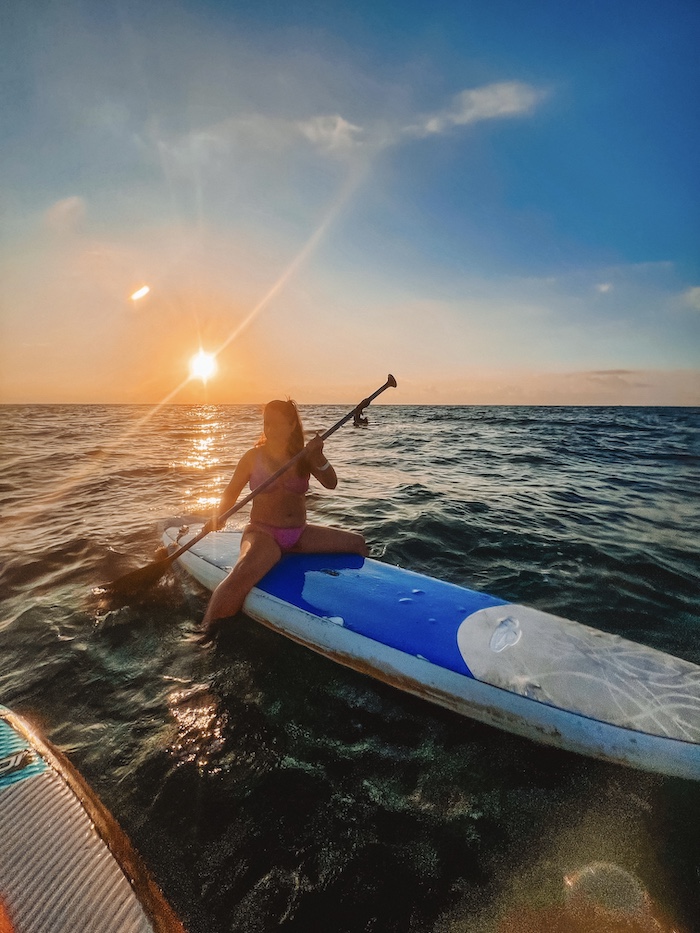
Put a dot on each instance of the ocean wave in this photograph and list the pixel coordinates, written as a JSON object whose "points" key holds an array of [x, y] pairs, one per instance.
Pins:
{"points": [[265, 784]]}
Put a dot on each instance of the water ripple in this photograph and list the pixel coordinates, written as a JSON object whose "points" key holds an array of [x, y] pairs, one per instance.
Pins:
{"points": [[269, 787]]}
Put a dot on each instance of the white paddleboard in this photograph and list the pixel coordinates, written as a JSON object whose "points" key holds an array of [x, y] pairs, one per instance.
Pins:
{"points": [[528, 672], [65, 865]]}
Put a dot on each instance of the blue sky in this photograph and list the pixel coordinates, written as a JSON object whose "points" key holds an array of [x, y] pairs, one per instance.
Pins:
{"points": [[498, 202]]}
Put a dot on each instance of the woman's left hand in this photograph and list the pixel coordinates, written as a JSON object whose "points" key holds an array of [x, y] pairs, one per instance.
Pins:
{"points": [[315, 451]]}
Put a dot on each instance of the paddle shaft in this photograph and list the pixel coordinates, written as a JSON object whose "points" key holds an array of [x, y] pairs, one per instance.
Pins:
{"points": [[390, 383]]}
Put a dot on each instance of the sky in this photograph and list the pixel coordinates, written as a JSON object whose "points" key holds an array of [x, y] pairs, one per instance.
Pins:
{"points": [[497, 201]]}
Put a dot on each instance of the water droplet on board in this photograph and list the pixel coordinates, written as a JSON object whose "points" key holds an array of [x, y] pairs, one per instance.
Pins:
{"points": [[507, 634], [406, 599], [418, 592]]}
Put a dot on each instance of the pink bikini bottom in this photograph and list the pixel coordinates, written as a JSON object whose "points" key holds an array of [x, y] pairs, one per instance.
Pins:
{"points": [[286, 538]]}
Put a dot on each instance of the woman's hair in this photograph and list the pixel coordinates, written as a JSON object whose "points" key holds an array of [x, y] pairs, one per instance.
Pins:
{"points": [[290, 411]]}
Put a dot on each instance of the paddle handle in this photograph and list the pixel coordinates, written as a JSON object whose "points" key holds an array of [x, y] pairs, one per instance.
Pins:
{"points": [[389, 384]]}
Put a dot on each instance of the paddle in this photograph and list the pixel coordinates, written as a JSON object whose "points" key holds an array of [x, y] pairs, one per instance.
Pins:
{"points": [[146, 576]]}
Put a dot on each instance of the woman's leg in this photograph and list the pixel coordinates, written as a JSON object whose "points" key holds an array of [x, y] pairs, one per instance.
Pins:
{"points": [[320, 539], [259, 553]]}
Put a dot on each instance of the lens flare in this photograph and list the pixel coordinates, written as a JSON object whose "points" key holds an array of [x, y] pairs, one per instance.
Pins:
{"points": [[203, 366], [140, 293]]}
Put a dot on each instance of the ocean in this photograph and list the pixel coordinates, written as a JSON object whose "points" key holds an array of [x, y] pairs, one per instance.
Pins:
{"points": [[267, 787]]}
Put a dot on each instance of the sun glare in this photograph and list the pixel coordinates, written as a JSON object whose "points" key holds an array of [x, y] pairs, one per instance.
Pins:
{"points": [[202, 366], [140, 293]]}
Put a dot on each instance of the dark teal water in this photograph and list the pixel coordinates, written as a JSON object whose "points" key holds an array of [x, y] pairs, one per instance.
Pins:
{"points": [[267, 787]]}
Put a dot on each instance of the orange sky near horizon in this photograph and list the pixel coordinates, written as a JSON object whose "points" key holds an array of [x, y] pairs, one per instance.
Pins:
{"points": [[82, 339], [318, 220]]}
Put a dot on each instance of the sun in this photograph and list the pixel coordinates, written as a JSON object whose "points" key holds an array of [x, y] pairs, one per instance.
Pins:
{"points": [[203, 366]]}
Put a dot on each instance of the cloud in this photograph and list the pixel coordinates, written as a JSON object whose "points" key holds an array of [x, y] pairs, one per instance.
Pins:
{"points": [[213, 146], [604, 287], [332, 133], [619, 378], [66, 215], [691, 297], [490, 102]]}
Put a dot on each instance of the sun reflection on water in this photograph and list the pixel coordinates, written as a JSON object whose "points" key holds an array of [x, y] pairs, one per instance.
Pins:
{"points": [[201, 455], [208, 438], [200, 727]]}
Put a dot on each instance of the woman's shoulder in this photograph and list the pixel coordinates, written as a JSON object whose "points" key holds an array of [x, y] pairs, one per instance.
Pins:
{"points": [[247, 461]]}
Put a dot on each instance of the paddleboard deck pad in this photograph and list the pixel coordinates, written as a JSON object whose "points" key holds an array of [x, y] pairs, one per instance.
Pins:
{"points": [[65, 865], [511, 666]]}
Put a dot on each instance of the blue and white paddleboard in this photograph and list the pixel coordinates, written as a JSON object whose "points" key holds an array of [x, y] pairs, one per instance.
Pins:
{"points": [[522, 670], [65, 865]]}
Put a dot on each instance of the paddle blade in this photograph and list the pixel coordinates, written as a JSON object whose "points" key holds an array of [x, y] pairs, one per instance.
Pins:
{"points": [[138, 580]]}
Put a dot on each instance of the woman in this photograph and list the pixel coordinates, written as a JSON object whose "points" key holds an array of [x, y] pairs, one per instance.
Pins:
{"points": [[278, 515]]}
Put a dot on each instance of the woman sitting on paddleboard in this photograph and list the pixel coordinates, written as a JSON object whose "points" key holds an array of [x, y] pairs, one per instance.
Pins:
{"points": [[278, 515]]}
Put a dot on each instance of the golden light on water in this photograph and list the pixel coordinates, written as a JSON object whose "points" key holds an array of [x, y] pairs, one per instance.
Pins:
{"points": [[200, 459], [140, 293], [203, 366], [201, 727]]}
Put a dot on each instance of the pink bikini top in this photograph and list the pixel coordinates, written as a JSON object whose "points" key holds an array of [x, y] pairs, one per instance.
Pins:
{"points": [[290, 480]]}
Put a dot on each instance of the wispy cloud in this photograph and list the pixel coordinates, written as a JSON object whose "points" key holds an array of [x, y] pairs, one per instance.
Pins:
{"points": [[691, 297], [331, 133], [66, 215], [501, 100], [621, 378], [335, 135], [490, 102]]}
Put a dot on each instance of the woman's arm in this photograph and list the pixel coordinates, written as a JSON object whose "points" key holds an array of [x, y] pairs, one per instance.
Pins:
{"points": [[230, 495], [319, 466]]}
